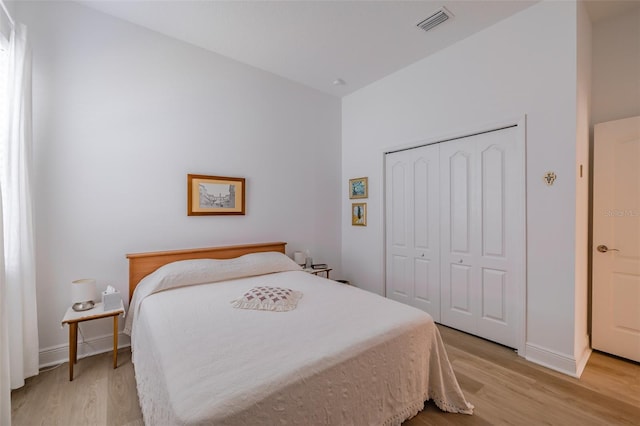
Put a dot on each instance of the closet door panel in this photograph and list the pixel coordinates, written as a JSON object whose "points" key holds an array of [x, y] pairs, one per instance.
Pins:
{"points": [[400, 285], [412, 228], [480, 231], [426, 255], [399, 270], [459, 294], [422, 200], [494, 297], [493, 201], [460, 289], [459, 200], [500, 246], [422, 272], [398, 206]]}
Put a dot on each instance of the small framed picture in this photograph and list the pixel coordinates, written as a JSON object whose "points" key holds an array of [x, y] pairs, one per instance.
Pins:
{"points": [[358, 187], [214, 195], [359, 214]]}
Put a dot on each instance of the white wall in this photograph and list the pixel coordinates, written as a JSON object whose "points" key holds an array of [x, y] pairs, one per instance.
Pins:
{"points": [[523, 65], [121, 116], [616, 67], [583, 116]]}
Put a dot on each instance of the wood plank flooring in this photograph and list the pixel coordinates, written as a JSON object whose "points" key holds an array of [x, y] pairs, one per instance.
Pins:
{"points": [[98, 395], [505, 389], [508, 390]]}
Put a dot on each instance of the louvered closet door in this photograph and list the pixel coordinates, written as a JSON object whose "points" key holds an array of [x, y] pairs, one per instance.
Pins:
{"points": [[481, 234], [412, 232]]}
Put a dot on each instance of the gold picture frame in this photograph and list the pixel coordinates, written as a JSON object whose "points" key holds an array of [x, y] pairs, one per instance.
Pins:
{"points": [[359, 214], [215, 195], [358, 188]]}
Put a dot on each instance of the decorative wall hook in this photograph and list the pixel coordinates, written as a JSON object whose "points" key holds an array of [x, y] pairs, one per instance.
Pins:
{"points": [[549, 178]]}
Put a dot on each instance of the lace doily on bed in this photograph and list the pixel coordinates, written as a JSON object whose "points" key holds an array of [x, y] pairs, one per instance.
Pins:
{"points": [[268, 299]]}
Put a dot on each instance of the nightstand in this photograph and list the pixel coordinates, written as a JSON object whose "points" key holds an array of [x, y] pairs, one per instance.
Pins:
{"points": [[319, 271], [72, 318]]}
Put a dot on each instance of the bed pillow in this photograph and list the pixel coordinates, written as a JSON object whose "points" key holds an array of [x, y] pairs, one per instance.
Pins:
{"points": [[200, 271], [268, 299]]}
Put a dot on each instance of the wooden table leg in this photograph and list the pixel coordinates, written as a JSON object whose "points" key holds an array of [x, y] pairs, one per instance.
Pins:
{"points": [[115, 341], [73, 347], [75, 342]]}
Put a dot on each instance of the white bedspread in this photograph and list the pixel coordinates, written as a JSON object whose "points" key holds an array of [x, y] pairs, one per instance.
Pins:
{"points": [[343, 357]]}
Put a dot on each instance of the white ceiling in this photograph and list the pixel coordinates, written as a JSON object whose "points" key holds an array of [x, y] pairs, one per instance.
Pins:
{"points": [[315, 42]]}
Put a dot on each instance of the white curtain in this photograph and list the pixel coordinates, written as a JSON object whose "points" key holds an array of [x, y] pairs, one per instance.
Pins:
{"points": [[5, 377], [18, 288]]}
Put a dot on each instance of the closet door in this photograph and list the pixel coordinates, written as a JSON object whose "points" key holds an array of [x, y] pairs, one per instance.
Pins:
{"points": [[481, 234], [412, 231]]}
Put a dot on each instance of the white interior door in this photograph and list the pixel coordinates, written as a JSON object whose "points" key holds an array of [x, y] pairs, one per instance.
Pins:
{"points": [[616, 238], [482, 234], [412, 231]]}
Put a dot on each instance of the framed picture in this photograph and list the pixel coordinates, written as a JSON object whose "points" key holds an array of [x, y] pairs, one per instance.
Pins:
{"points": [[359, 214], [214, 195], [358, 187]]}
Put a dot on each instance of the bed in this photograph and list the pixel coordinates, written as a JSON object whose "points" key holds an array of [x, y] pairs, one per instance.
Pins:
{"points": [[340, 356]]}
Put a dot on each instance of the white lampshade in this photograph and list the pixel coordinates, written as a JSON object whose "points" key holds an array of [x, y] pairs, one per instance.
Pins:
{"points": [[299, 258], [82, 291]]}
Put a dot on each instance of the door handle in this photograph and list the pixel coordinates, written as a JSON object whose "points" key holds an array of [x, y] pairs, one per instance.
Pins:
{"points": [[603, 249]]}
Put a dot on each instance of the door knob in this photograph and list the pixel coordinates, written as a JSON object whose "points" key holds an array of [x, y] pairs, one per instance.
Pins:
{"points": [[603, 249]]}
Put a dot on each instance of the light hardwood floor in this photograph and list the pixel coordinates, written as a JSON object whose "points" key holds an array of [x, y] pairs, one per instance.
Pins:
{"points": [[505, 389]]}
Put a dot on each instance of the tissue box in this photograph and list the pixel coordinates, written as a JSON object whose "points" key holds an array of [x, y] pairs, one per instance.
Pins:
{"points": [[111, 300]]}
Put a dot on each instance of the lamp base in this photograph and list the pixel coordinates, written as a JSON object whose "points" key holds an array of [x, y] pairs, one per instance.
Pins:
{"points": [[83, 306]]}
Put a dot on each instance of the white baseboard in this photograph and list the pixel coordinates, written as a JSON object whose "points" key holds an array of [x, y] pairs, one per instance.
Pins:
{"points": [[555, 360], [55, 355]]}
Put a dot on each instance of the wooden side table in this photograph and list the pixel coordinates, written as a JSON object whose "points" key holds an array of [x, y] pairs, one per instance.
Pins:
{"points": [[72, 318], [324, 271]]}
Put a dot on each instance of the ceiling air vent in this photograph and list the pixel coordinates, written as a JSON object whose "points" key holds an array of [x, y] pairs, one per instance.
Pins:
{"points": [[435, 19]]}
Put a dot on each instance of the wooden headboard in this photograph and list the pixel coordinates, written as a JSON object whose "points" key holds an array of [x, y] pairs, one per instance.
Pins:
{"points": [[142, 264]]}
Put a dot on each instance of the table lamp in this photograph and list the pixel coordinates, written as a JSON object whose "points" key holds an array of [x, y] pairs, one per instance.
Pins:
{"points": [[83, 293]]}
